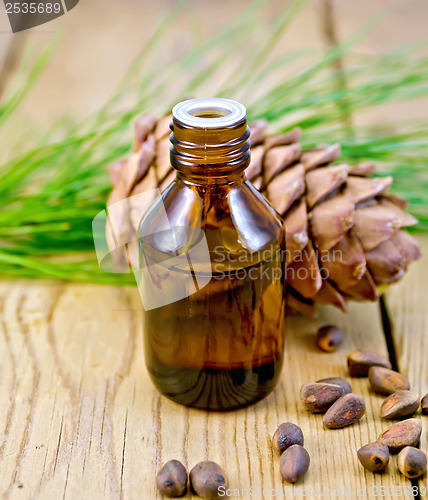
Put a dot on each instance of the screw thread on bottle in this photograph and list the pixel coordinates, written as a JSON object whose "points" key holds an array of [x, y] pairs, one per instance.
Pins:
{"points": [[210, 140]]}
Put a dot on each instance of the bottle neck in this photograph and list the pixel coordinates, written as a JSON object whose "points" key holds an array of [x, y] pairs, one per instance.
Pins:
{"points": [[210, 141]]}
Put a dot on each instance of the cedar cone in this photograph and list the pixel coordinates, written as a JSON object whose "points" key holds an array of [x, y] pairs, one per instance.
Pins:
{"points": [[344, 234]]}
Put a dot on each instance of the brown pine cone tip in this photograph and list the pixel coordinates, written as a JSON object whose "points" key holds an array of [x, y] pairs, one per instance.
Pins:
{"points": [[344, 233]]}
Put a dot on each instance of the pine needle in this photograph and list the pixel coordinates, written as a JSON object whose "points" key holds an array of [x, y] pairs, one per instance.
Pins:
{"points": [[51, 192]]}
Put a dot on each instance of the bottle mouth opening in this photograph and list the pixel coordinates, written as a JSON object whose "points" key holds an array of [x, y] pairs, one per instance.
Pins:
{"points": [[209, 113], [212, 113]]}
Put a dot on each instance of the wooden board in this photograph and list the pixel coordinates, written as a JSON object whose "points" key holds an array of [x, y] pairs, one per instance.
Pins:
{"points": [[79, 417], [408, 308]]}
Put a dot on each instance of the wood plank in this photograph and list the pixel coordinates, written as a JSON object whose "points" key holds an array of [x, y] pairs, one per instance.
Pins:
{"points": [[407, 18], [407, 305], [80, 418], [78, 415], [73, 84]]}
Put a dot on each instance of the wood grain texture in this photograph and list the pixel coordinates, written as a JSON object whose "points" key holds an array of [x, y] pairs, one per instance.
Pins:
{"points": [[79, 417], [408, 308]]}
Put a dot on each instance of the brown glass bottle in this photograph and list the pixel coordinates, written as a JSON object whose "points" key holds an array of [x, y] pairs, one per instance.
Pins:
{"points": [[211, 250]]}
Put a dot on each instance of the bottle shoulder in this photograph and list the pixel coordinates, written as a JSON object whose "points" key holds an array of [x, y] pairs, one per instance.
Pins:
{"points": [[232, 218]]}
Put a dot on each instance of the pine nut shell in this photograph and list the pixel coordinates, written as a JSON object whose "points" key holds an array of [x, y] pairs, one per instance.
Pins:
{"points": [[399, 404], [412, 462], [402, 434], [345, 411], [360, 361], [385, 381], [374, 456], [285, 436], [318, 397], [294, 463], [337, 381]]}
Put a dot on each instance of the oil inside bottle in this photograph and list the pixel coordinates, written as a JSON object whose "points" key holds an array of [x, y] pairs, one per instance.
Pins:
{"points": [[221, 347]]}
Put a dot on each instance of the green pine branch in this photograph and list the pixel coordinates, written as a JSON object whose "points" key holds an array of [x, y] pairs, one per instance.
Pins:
{"points": [[51, 192]]}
